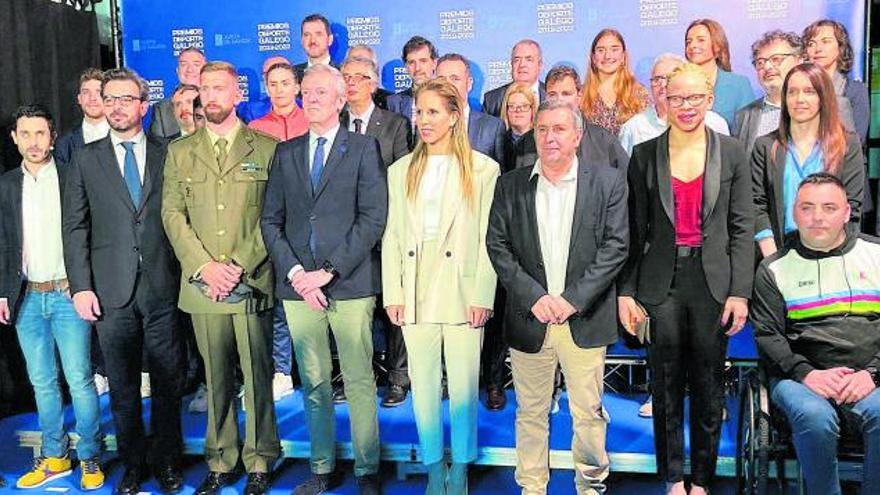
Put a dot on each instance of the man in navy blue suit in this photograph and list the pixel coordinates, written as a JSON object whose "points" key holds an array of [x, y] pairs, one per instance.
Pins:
{"points": [[324, 213], [420, 58], [485, 132], [94, 126]]}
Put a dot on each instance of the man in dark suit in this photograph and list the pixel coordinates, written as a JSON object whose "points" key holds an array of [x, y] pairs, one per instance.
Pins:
{"points": [[392, 132], [316, 38], [526, 63], [380, 95], [34, 297], [123, 277], [189, 64], [485, 132], [558, 236], [94, 126], [420, 58], [773, 55], [321, 222]]}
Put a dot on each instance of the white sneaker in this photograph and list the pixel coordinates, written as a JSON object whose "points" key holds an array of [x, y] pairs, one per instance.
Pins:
{"points": [[282, 386], [646, 410], [145, 385], [199, 402], [102, 384]]}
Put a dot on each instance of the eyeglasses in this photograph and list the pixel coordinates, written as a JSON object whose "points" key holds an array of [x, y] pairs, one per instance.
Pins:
{"points": [[659, 80], [125, 100], [693, 100], [356, 78], [519, 108], [776, 59]]}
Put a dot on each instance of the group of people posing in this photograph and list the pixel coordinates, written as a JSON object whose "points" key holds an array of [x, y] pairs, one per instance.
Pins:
{"points": [[565, 209]]}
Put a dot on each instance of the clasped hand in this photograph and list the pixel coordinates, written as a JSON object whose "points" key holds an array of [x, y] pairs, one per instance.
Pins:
{"points": [[842, 385], [309, 284], [553, 309], [221, 278]]}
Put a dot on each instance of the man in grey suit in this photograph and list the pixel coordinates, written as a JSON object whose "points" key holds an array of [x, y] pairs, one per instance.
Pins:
{"points": [[485, 132], [189, 65], [321, 222], [526, 63]]}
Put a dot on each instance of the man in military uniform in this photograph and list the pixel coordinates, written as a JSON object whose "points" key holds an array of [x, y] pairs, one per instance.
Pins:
{"points": [[215, 180]]}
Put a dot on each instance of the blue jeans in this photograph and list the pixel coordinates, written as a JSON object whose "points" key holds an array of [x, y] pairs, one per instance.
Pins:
{"points": [[282, 351], [815, 430], [45, 321]]}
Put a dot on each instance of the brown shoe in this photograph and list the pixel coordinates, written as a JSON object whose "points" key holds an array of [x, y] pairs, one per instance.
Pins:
{"points": [[496, 399]]}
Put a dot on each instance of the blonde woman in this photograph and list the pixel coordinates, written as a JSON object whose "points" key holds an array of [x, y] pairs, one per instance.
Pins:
{"points": [[438, 283], [518, 114]]}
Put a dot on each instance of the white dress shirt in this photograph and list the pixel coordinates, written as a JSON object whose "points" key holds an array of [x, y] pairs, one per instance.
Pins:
{"points": [[94, 132], [326, 61], [365, 118], [42, 247], [554, 208], [140, 152], [431, 194]]}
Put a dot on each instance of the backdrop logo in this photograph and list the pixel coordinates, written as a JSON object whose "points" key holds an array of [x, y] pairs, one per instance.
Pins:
{"points": [[273, 36], [184, 38], [556, 17], [401, 79], [767, 9], [143, 45], [658, 12], [364, 30], [457, 25], [157, 89], [497, 73], [243, 85], [229, 39]]}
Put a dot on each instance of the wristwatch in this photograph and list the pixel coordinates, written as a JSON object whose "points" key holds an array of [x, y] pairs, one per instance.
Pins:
{"points": [[875, 375], [328, 267]]}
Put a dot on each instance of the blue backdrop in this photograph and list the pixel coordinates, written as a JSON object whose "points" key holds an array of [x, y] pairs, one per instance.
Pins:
{"points": [[245, 33]]}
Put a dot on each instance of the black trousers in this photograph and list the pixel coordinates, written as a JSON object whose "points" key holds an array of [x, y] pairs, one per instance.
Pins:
{"points": [[495, 347], [148, 327], [688, 347]]}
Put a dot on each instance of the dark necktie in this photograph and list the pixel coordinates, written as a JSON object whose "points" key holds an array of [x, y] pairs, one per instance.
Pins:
{"points": [[318, 163], [358, 126], [131, 174]]}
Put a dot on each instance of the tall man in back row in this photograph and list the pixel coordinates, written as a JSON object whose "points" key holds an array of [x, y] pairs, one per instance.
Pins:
{"points": [[215, 180]]}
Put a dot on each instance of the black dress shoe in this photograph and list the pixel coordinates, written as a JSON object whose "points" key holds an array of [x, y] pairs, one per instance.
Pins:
{"points": [[214, 481], [130, 484], [339, 395], [368, 484], [496, 399], [257, 484], [317, 484], [394, 396], [169, 477]]}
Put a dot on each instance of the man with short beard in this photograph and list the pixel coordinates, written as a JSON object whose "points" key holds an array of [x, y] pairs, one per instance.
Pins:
{"points": [[316, 38], [215, 182], [122, 278], [183, 109], [94, 126]]}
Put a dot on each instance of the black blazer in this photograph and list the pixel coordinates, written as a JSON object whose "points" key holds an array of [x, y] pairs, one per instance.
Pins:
{"points": [[727, 221], [390, 130], [163, 124], [597, 252], [11, 233], [347, 213], [598, 147], [401, 104], [493, 99], [486, 135], [768, 169], [67, 144], [106, 237]]}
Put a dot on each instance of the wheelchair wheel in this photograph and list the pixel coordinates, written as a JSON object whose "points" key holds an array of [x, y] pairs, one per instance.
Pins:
{"points": [[753, 439]]}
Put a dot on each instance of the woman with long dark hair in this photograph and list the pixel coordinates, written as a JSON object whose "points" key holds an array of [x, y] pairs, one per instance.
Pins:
{"points": [[690, 267], [438, 282], [810, 139], [611, 94]]}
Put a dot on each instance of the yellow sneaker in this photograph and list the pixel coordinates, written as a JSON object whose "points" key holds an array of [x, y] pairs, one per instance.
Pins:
{"points": [[45, 470], [92, 476]]}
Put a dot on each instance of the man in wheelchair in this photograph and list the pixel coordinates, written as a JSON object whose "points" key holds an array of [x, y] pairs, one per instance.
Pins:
{"points": [[816, 313]]}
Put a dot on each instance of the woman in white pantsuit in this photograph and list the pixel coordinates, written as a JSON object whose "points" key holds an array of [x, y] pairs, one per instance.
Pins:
{"points": [[438, 283]]}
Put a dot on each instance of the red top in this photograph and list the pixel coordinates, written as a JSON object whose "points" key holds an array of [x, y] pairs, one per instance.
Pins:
{"points": [[688, 209], [282, 127]]}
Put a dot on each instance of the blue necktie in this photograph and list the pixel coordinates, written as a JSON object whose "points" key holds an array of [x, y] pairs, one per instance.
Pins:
{"points": [[131, 174], [318, 163]]}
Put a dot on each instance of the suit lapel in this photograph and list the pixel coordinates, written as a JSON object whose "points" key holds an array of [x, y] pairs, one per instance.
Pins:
{"points": [[452, 201], [340, 146], [580, 204], [664, 176], [204, 152], [107, 161], [711, 174], [375, 125], [240, 148], [778, 176], [16, 203], [153, 167], [473, 128], [301, 164]]}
